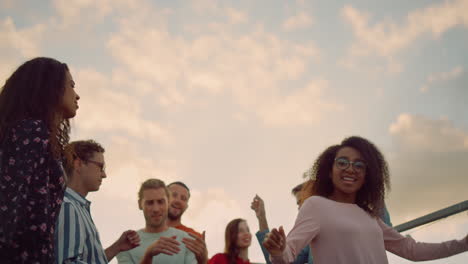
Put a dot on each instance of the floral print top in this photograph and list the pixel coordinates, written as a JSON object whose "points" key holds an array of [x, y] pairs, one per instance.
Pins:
{"points": [[31, 192]]}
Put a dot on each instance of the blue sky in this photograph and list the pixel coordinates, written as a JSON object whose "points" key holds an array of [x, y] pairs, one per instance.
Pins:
{"points": [[239, 97]]}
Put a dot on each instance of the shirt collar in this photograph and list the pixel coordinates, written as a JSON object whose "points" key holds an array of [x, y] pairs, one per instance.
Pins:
{"points": [[71, 194]]}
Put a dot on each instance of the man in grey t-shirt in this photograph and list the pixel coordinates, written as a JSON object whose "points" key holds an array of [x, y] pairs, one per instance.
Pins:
{"points": [[159, 242]]}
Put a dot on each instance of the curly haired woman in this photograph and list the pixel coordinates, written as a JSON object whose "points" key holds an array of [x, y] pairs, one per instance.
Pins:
{"points": [[36, 103], [341, 222]]}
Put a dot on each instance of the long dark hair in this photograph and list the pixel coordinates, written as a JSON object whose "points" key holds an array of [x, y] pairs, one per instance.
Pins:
{"points": [[372, 193], [231, 249], [35, 91]]}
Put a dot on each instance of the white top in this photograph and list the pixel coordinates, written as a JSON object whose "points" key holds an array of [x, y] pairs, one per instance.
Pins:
{"points": [[341, 233]]}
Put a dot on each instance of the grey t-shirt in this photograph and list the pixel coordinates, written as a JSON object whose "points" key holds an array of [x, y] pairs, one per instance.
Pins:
{"points": [[135, 255]]}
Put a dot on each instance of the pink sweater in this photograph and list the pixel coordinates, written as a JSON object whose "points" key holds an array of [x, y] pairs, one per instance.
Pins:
{"points": [[344, 233]]}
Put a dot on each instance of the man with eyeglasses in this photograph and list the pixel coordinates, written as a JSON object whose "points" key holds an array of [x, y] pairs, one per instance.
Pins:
{"points": [[77, 239]]}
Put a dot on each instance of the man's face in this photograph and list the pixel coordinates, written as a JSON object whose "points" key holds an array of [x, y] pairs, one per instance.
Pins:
{"points": [[154, 203], [178, 201], [91, 172]]}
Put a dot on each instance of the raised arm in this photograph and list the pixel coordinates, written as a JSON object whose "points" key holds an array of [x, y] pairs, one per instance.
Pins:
{"points": [[258, 206], [306, 228]]}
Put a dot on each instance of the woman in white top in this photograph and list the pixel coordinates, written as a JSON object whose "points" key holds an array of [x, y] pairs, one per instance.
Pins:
{"points": [[341, 221]]}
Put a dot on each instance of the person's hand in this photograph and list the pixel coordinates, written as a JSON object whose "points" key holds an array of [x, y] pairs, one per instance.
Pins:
{"points": [[164, 245], [198, 247], [258, 206], [275, 241], [128, 240]]}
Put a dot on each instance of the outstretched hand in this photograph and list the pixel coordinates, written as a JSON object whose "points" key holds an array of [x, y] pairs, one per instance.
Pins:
{"points": [[275, 241], [198, 246]]}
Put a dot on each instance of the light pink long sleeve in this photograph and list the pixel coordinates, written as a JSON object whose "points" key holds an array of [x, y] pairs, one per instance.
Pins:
{"points": [[341, 233]]}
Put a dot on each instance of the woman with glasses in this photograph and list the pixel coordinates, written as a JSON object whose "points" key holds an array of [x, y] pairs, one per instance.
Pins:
{"points": [[341, 222], [36, 103], [238, 239]]}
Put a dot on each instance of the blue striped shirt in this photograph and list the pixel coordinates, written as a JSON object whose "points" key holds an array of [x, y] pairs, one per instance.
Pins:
{"points": [[77, 239]]}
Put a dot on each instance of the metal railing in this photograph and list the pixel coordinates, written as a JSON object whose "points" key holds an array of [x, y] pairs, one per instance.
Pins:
{"points": [[437, 215]]}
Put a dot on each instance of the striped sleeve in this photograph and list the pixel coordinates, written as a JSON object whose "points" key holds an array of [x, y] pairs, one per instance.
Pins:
{"points": [[69, 236]]}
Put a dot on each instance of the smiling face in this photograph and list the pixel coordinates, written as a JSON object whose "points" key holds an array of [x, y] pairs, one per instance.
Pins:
{"points": [[244, 237], [347, 182], [178, 201]]}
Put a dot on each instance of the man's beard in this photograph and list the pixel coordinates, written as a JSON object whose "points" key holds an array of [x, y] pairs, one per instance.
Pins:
{"points": [[174, 217]]}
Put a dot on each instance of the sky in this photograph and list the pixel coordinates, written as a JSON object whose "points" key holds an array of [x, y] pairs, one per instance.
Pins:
{"points": [[238, 98]]}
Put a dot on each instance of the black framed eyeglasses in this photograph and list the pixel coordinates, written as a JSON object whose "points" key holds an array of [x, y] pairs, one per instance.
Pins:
{"points": [[344, 163], [101, 165]]}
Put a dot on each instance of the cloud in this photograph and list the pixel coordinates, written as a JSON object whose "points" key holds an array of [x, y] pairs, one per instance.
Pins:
{"points": [[101, 100], [298, 21], [441, 76], [22, 42], [219, 61], [18, 45], [417, 133], [387, 38], [303, 107], [236, 16], [427, 165], [87, 13]]}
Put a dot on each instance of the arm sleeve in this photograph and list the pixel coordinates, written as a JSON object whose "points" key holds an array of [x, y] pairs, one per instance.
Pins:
{"points": [[26, 193], [69, 236], [306, 228], [408, 248], [303, 256], [124, 258], [260, 237]]}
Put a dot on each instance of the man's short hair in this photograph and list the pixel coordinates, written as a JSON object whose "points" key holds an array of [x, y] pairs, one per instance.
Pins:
{"points": [[181, 184], [297, 189], [151, 184], [80, 149]]}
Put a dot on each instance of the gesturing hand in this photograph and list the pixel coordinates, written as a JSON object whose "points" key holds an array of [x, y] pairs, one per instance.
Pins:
{"points": [[198, 247], [164, 245], [275, 241], [128, 240], [258, 206]]}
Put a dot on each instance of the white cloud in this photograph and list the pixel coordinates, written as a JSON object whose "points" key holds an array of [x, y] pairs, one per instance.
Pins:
{"points": [[87, 13], [388, 38], [299, 21], [248, 66], [105, 109], [303, 107], [442, 76], [427, 166], [236, 16], [23, 42], [423, 134]]}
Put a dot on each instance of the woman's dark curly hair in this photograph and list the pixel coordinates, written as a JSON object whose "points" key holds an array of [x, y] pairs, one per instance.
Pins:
{"points": [[372, 193], [231, 249], [35, 91]]}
